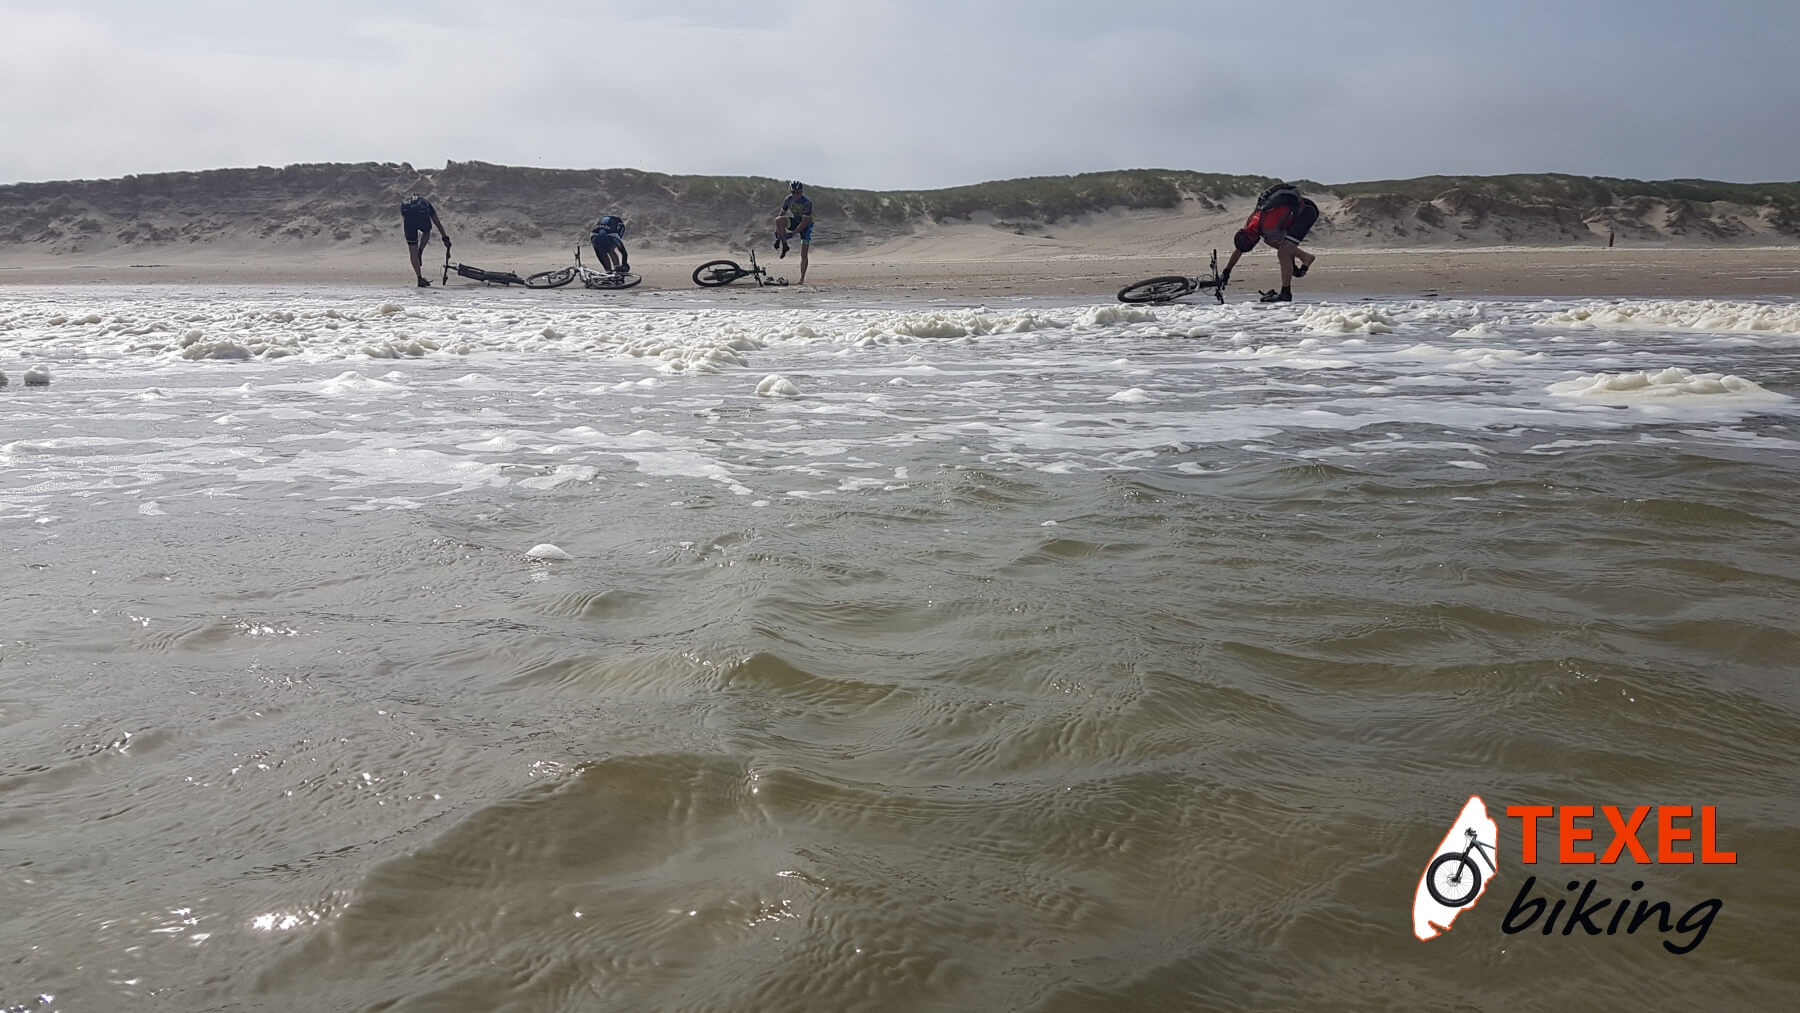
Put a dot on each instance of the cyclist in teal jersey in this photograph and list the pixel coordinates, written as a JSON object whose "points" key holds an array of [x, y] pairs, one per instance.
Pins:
{"points": [[795, 219]]}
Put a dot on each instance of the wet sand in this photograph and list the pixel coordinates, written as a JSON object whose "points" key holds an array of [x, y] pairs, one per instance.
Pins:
{"points": [[944, 273]]}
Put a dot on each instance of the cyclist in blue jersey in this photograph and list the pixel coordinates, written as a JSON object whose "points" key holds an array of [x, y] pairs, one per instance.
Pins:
{"points": [[795, 219], [417, 216], [609, 244]]}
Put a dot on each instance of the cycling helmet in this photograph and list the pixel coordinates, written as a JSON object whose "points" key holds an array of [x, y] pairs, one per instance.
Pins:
{"points": [[1244, 241], [795, 186], [612, 225]]}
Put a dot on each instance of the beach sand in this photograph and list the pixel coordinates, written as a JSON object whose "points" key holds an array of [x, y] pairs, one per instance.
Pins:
{"points": [[974, 268]]}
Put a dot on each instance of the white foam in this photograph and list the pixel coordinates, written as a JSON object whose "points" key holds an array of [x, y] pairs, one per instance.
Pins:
{"points": [[353, 383], [1096, 387], [1109, 315], [1342, 320], [1674, 382], [1699, 315], [545, 553], [776, 385]]}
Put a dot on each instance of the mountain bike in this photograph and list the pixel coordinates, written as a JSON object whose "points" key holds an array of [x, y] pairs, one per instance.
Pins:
{"points": [[601, 279], [542, 279], [1453, 878], [474, 273], [1170, 287], [554, 278], [714, 273]]}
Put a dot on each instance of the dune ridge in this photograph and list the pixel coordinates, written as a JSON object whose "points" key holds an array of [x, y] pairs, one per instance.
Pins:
{"points": [[309, 208]]}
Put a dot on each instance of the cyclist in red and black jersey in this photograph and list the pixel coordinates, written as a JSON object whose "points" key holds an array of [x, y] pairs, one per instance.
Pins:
{"points": [[1282, 219]]}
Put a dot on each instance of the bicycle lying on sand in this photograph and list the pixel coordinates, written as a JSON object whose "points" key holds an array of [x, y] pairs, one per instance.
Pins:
{"points": [[602, 279], [487, 277], [715, 273], [1170, 287], [555, 278], [589, 277]]}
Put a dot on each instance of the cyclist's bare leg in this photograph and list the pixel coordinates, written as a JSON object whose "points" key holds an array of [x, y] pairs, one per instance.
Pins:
{"points": [[1285, 254], [805, 249], [417, 253]]}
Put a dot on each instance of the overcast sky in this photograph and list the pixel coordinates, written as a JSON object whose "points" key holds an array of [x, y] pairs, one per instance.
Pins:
{"points": [[901, 94]]}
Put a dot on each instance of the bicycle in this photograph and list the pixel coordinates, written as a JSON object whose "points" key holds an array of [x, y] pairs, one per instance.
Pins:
{"points": [[543, 279], [554, 278], [1170, 287], [715, 273], [602, 279], [1453, 877]]}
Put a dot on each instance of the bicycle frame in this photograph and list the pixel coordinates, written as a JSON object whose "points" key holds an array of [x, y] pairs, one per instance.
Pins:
{"points": [[756, 271], [582, 269], [1486, 851], [1217, 284], [474, 273]]}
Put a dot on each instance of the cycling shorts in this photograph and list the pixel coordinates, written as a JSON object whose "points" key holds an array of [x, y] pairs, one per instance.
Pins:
{"points": [[793, 223], [1282, 224]]}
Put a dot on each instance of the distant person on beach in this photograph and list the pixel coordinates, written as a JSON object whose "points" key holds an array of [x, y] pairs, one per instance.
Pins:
{"points": [[418, 217], [1282, 219], [609, 244], [795, 219]]}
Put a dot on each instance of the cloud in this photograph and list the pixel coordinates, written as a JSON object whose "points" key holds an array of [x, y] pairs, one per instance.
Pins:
{"points": [[891, 94]]}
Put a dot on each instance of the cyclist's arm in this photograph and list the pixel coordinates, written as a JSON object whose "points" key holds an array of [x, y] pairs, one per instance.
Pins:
{"points": [[443, 233], [1229, 264]]}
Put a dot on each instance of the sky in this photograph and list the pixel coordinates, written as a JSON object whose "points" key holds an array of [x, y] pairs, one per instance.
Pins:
{"points": [[907, 94]]}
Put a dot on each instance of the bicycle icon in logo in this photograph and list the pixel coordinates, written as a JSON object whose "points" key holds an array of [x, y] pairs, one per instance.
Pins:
{"points": [[1454, 878]]}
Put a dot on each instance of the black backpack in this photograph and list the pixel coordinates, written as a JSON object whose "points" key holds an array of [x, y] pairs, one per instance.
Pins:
{"points": [[1277, 195]]}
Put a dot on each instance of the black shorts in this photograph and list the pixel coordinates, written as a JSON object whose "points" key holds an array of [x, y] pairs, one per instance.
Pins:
{"points": [[1303, 220], [418, 230], [606, 242]]}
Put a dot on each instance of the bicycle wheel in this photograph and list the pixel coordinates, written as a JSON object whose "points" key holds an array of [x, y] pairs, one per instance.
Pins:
{"points": [[1453, 879], [714, 273], [551, 279], [1158, 289]]}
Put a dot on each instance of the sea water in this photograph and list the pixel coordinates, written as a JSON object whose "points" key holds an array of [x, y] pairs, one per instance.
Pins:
{"points": [[489, 649]]}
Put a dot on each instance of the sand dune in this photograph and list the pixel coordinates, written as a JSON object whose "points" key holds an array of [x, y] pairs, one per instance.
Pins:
{"points": [[1076, 236]]}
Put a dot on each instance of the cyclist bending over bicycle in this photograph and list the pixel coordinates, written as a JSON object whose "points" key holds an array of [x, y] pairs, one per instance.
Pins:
{"points": [[609, 244], [1282, 219]]}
